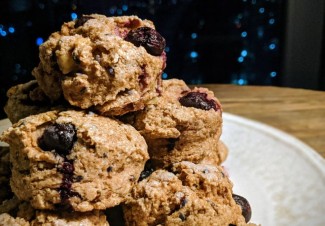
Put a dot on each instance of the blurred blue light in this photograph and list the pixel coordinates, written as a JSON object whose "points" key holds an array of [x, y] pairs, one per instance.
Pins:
{"points": [[243, 34], [273, 74], [240, 59], [241, 81], [244, 53], [39, 41], [194, 35], [194, 54], [272, 46], [164, 75], [261, 10], [3, 33], [167, 49], [125, 7], [112, 10], [271, 21], [11, 29], [119, 12], [260, 32], [74, 16]]}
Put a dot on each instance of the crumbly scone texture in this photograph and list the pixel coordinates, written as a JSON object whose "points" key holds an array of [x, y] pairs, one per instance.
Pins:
{"points": [[24, 100], [166, 198], [177, 133], [91, 64], [104, 163], [5, 173], [51, 218]]}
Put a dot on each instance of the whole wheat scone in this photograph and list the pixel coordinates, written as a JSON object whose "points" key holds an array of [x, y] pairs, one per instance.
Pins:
{"points": [[113, 64], [166, 198], [28, 99], [182, 124], [25, 215], [5, 173], [75, 160]]}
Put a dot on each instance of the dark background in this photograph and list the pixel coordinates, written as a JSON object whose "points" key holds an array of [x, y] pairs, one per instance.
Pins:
{"points": [[255, 42]]}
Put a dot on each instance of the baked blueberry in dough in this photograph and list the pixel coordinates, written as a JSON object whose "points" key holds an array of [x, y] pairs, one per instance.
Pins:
{"points": [[74, 160], [26, 99], [182, 124], [193, 194], [112, 64]]}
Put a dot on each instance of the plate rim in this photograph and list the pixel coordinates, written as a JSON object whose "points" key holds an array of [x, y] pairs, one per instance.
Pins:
{"points": [[307, 151]]}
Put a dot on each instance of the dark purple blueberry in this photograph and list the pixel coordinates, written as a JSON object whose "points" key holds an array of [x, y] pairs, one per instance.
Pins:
{"points": [[198, 100], [58, 137], [244, 205], [67, 168], [82, 20], [183, 201], [148, 170], [111, 71], [182, 216], [149, 38], [109, 169], [171, 143]]}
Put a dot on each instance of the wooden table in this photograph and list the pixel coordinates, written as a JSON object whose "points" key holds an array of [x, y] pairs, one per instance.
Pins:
{"points": [[298, 112]]}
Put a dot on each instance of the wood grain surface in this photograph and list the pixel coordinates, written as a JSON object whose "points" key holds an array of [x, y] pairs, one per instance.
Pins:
{"points": [[298, 112]]}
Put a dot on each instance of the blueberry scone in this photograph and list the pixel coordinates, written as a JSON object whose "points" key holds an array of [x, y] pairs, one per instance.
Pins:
{"points": [[112, 64], [74, 160], [182, 124], [168, 198], [5, 174], [28, 99], [25, 215]]}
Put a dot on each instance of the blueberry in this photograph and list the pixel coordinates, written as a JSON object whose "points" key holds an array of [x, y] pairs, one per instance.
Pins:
{"points": [[149, 38], [148, 170], [82, 20], [244, 205], [58, 137], [198, 100], [67, 168]]}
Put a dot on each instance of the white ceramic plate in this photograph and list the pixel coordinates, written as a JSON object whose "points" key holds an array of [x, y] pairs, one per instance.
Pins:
{"points": [[283, 178]]}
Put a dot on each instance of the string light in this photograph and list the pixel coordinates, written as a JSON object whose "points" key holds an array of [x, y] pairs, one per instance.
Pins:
{"points": [[39, 41], [243, 34], [74, 16], [11, 29], [194, 35], [272, 46], [194, 54], [244, 53], [273, 74], [271, 21]]}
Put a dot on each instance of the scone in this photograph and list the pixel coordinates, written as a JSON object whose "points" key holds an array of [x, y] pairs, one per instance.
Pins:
{"points": [[112, 64], [182, 125], [28, 99], [25, 215], [5, 173], [166, 198], [74, 160]]}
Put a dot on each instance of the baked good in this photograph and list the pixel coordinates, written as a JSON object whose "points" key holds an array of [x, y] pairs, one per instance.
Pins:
{"points": [[5, 173], [74, 160], [27, 216], [113, 64], [194, 194], [28, 99], [182, 124]]}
